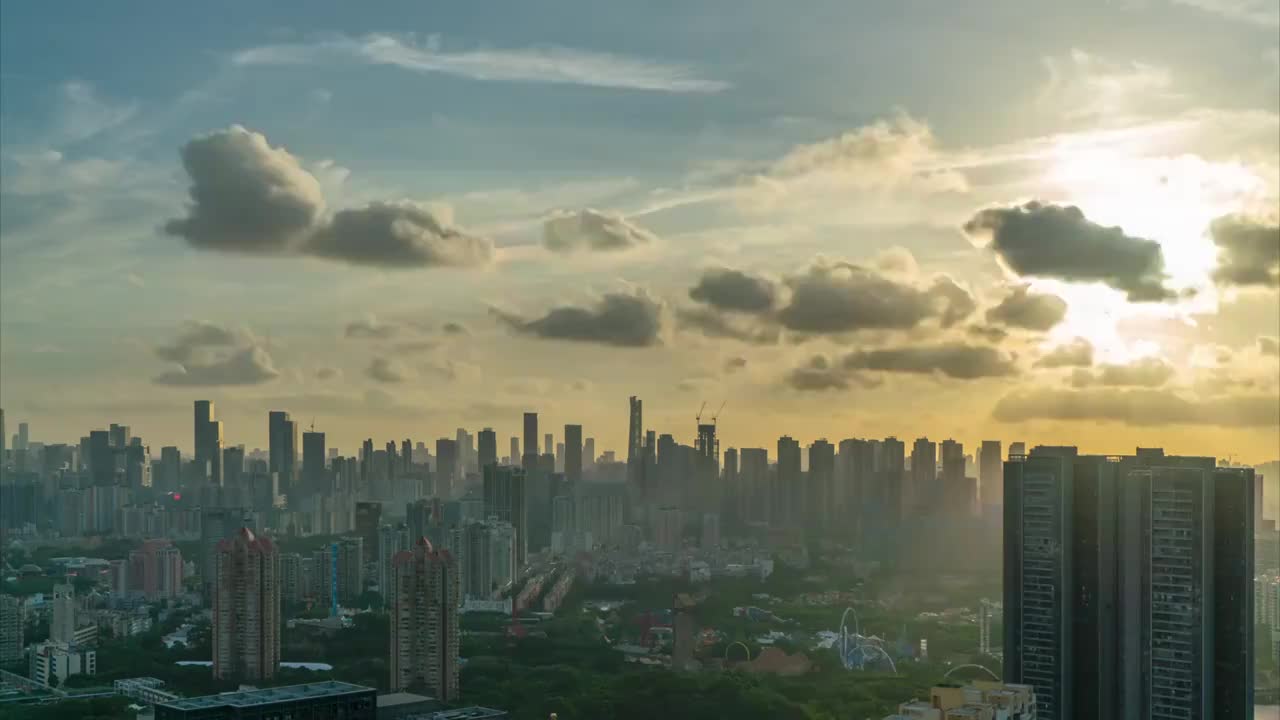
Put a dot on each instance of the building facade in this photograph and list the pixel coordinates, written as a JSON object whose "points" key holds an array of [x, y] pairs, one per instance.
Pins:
{"points": [[246, 608], [425, 596]]}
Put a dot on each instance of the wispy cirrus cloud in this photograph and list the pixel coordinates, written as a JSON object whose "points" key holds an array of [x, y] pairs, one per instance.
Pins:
{"points": [[540, 64]]}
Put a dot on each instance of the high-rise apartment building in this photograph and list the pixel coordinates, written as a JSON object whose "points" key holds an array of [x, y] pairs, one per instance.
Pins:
{"points": [[1128, 584], [573, 454], [953, 491], [246, 608], [589, 453], [293, 585], [754, 474], [820, 488], [62, 625], [368, 520], [788, 491], [487, 558], [924, 472], [215, 525], [505, 498], [282, 436], [391, 540], [425, 596], [11, 625]]}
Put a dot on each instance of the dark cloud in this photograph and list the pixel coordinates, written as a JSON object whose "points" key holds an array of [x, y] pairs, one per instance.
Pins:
{"points": [[989, 333], [327, 373], [371, 329], [386, 370], [418, 346], [1248, 251], [715, 324], [1077, 353], [956, 360], [1269, 345], [1147, 372], [842, 297], [246, 196], [1022, 308], [249, 197], [244, 366], [208, 354], [589, 229], [619, 319], [1140, 407], [196, 336], [453, 328], [398, 235], [734, 364], [734, 290], [818, 374], [1057, 241]]}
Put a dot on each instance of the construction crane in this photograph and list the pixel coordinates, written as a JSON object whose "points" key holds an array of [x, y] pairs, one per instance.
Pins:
{"points": [[698, 418], [716, 417]]}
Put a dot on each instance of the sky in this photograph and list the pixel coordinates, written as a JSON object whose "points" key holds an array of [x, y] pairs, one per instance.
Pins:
{"points": [[1029, 221]]}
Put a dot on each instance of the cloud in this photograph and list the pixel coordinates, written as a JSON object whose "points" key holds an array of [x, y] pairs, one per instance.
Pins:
{"points": [[1077, 353], [246, 196], [571, 231], [197, 336], [1248, 251], [714, 324], [398, 235], [619, 319], [245, 366], [882, 154], [370, 329], [843, 297], [1147, 372], [989, 333], [734, 364], [1139, 407], [453, 328], [1083, 85], [208, 354], [1022, 308], [83, 113], [328, 373], [386, 370], [819, 374], [955, 360], [1057, 241], [249, 197], [734, 290], [1258, 12], [1269, 346], [535, 65], [816, 375]]}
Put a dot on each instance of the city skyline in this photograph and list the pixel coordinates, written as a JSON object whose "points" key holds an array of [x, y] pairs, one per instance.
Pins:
{"points": [[828, 228]]}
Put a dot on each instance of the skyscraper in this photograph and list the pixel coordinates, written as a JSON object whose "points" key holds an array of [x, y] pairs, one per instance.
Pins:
{"points": [[788, 491], [924, 472], [487, 448], [120, 435], [208, 442], [820, 488], [447, 485], [314, 475], [952, 481], [246, 608], [215, 525], [233, 466], [530, 455], [424, 621], [102, 458], [990, 474], [1128, 584], [11, 624], [754, 473], [514, 458], [548, 444], [505, 499], [573, 454], [368, 520], [282, 449]]}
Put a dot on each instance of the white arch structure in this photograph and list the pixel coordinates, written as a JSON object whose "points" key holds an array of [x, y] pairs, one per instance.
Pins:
{"points": [[859, 639], [983, 668]]}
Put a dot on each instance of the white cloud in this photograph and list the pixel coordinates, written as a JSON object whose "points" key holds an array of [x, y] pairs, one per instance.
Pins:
{"points": [[546, 64], [1258, 12]]}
